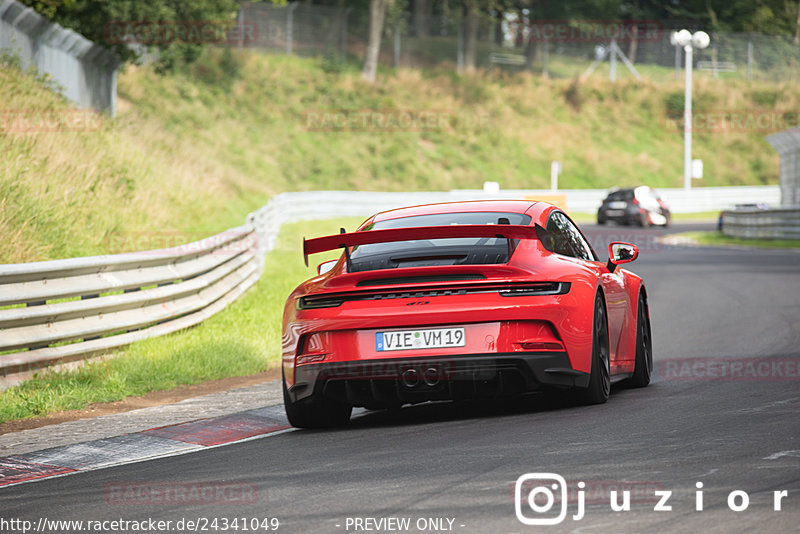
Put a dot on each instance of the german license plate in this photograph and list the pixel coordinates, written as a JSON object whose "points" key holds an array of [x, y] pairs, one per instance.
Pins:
{"points": [[614, 213], [435, 338]]}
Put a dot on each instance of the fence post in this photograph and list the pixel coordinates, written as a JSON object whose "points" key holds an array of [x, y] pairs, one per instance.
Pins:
{"points": [[612, 68], [749, 60], [112, 109], [397, 44], [545, 57], [345, 15], [290, 26], [460, 48]]}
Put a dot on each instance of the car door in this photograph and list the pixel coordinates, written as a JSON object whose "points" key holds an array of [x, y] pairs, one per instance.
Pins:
{"points": [[568, 240]]}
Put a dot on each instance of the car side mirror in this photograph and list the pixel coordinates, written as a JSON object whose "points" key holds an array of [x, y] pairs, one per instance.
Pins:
{"points": [[620, 252], [326, 266]]}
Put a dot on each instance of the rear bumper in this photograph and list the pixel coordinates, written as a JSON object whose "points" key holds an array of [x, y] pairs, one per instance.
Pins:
{"points": [[627, 216], [392, 382]]}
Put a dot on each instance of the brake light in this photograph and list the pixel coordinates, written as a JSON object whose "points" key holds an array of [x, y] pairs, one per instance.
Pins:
{"points": [[314, 303]]}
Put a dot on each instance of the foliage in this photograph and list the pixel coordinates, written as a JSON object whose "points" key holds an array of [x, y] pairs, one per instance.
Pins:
{"points": [[95, 19]]}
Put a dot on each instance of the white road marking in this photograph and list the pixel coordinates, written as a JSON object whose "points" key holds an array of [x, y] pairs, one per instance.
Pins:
{"points": [[769, 405], [775, 456]]}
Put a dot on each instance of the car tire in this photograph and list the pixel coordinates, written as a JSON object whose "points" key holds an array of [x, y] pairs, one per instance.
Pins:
{"points": [[601, 221], [314, 412], [643, 366], [600, 374]]}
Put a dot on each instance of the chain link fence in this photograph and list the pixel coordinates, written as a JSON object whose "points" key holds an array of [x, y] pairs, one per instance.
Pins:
{"points": [[555, 48]]}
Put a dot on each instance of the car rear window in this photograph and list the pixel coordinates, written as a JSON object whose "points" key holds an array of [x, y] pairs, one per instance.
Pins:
{"points": [[624, 194], [418, 253]]}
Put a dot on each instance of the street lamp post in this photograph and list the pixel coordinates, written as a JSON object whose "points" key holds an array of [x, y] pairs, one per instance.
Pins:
{"points": [[689, 42]]}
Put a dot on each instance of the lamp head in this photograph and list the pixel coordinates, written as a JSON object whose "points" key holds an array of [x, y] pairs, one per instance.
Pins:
{"points": [[700, 40], [683, 37]]}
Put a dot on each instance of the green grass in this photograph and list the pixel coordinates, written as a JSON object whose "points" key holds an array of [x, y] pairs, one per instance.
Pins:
{"points": [[697, 216], [676, 217], [193, 152], [717, 239], [241, 340]]}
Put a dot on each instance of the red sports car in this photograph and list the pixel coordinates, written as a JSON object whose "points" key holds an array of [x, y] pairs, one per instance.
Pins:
{"points": [[457, 301]]}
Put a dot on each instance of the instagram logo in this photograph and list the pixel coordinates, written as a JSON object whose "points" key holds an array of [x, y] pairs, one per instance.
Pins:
{"points": [[540, 498]]}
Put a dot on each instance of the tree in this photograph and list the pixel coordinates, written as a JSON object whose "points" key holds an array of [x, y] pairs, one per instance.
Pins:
{"points": [[423, 9], [377, 14], [470, 34], [797, 29], [94, 18]]}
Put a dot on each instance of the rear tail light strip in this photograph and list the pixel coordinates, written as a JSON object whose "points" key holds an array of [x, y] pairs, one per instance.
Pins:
{"points": [[504, 290]]}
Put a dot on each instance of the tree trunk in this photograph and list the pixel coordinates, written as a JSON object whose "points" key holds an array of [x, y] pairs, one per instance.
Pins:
{"points": [[530, 53], [633, 46], [797, 30], [712, 15], [470, 36], [377, 13], [422, 17], [498, 29]]}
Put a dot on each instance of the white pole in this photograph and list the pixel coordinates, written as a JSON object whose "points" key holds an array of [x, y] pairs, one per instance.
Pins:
{"points": [[397, 44], [687, 121], [290, 27], [612, 69], [555, 169]]}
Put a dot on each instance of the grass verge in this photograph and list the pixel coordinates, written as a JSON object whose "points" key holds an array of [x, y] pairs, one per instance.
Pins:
{"points": [[193, 152], [717, 239], [241, 340], [700, 216]]}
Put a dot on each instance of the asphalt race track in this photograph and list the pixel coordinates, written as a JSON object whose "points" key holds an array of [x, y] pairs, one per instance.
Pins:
{"points": [[722, 411]]}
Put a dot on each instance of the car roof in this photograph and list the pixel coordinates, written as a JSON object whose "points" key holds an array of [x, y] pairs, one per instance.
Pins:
{"points": [[467, 206]]}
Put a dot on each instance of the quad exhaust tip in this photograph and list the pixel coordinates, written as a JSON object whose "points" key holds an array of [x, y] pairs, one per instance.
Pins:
{"points": [[431, 376], [410, 378]]}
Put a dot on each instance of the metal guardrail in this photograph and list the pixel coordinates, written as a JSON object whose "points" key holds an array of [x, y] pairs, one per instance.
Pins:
{"points": [[717, 66], [776, 223], [506, 59], [59, 311], [86, 71]]}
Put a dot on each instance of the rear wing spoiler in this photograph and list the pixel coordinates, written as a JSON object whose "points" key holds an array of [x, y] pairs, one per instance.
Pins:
{"points": [[388, 235]]}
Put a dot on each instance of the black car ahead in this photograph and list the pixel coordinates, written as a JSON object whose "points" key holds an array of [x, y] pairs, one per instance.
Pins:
{"points": [[640, 205]]}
